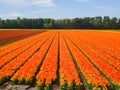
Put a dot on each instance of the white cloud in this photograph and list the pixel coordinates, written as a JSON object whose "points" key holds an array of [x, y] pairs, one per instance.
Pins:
{"points": [[42, 3], [11, 15], [25, 8], [12, 1], [84, 1]]}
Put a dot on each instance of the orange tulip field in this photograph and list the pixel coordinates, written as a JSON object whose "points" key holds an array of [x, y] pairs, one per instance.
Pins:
{"points": [[74, 59]]}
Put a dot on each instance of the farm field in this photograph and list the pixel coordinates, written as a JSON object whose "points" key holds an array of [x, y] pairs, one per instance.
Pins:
{"points": [[62, 60], [8, 36]]}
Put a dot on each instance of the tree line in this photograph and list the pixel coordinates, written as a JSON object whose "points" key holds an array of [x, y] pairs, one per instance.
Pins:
{"points": [[76, 23]]}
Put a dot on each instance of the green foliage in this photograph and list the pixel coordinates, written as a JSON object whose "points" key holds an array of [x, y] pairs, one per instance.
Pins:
{"points": [[76, 23], [90, 86], [48, 87], [63, 87], [28, 82], [41, 86], [78, 87], [21, 81], [13, 82], [116, 87], [1, 81], [69, 87]]}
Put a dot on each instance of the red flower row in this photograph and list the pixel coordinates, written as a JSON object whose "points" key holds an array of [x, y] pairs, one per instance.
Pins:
{"points": [[14, 35]]}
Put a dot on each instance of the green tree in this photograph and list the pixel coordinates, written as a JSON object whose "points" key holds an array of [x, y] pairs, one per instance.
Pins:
{"points": [[113, 23], [106, 22], [98, 22], [118, 24]]}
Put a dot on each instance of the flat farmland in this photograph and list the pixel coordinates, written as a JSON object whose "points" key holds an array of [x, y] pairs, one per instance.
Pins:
{"points": [[62, 60]]}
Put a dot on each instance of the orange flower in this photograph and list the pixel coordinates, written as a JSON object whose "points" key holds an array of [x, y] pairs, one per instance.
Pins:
{"points": [[48, 69], [68, 71]]}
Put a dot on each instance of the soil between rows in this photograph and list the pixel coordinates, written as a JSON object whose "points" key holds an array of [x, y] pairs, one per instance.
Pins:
{"points": [[8, 86]]}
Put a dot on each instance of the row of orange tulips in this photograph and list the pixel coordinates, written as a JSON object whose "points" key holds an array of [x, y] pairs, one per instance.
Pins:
{"points": [[108, 50], [38, 59], [27, 72], [108, 58], [8, 57], [90, 73], [102, 45], [9, 69], [48, 70], [109, 72], [14, 46], [68, 71], [102, 40]]}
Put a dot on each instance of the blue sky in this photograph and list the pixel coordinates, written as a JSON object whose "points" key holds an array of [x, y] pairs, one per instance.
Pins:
{"points": [[58, 9]]}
